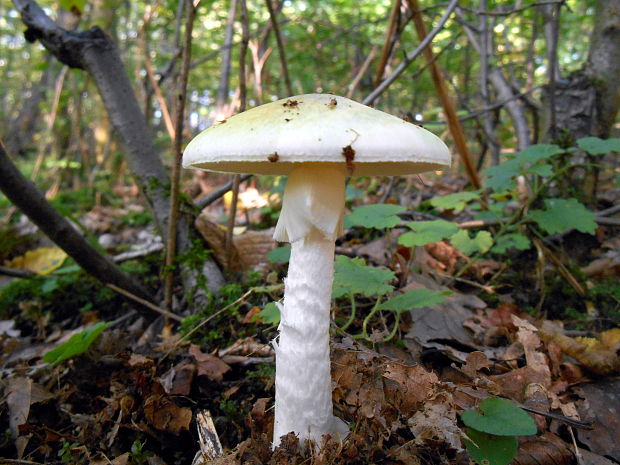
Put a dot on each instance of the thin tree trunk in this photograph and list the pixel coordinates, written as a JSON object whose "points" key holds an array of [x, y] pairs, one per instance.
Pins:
{"points": [[224, 86], [96, 53]]}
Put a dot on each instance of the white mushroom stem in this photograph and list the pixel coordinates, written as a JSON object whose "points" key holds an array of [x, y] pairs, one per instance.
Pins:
{"points": [[311, 219]]}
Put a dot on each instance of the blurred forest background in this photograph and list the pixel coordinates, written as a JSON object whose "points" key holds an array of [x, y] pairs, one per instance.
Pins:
{"points": [[169, 277]]}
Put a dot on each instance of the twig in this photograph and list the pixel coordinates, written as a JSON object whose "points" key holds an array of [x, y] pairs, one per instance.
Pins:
{"points": [[243, 90], [609, 211], [276, 30], [154, 84], [205, 321], [388, 45], [448, 105], [15, 273], [178, 154], [514, 10], [219, 193], [561, 418], [411, 56], [143, 302], [18, 462], [476, 113], [361, 71]]}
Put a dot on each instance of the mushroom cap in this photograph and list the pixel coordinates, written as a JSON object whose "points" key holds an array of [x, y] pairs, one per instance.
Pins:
{"points": [[318, 128]]}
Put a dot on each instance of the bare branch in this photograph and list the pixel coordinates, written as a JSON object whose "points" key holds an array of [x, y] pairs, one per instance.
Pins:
{"points": [[411, 56]]}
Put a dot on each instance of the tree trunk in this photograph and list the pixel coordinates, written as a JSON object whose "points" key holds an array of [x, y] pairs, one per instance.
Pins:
{"points": [[587, 102], [96, 53]]}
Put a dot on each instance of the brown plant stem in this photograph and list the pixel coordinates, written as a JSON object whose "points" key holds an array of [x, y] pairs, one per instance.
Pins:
{"points": [[276, 30], [448, 105], [388, 45], [178, 154]]}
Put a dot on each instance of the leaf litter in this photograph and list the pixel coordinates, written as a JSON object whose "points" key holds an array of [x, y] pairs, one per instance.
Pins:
{"points": [[404, 404]]}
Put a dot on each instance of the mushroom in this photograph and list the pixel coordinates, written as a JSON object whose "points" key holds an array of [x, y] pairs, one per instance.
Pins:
{"points": [[317, 140]]}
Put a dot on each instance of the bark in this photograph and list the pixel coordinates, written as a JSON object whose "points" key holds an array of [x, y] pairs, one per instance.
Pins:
{"points": [[587, 101], [223, 89], [515, 108], [25, 196], [95, 52], [20, 131]]}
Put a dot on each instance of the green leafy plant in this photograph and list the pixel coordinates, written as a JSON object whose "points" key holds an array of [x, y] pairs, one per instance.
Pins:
{"points": [[377, 216], [137, 456], [70, 453], [517, 219], [492, 430], [76, 345]]}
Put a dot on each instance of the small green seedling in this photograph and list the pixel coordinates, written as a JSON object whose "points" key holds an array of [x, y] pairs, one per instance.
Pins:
{"points": [[76, 345], [493, 428]]}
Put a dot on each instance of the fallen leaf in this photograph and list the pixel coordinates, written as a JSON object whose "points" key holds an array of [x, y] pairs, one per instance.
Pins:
{"points": [[43, 260], [163, 414], [547, 449], [178, 380], [209, 365], [601, 403], [18, 400], [602, 361]]}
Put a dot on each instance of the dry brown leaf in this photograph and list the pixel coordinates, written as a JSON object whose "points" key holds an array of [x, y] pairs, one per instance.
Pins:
{"points": [[475, 362], [18, 400], [601, 361], [536, 360], [163, 414], [436, 425], [601, 403], [178, 380], [547, 449], [514, 382], [209, 365]]}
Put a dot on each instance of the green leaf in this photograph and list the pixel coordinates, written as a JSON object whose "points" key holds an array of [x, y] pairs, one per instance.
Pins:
{"points": [[76, 345], [537, 152], [487, 449], [378, 216], [270, 314], [481, 242], [77, 6], [279, 254], [562, 214], [353, 276], [426, 232], [596, 146], [416, 298], [511, 241], [499, 417], [499, 177], [454, 202], [543, 170]]}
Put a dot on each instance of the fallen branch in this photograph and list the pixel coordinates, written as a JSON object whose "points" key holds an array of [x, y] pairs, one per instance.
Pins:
{"points": [[15, 273], [219, 193], [31, 201]]}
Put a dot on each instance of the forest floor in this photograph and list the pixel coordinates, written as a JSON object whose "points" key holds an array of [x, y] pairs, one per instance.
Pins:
{"points": [[538, 327]]}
